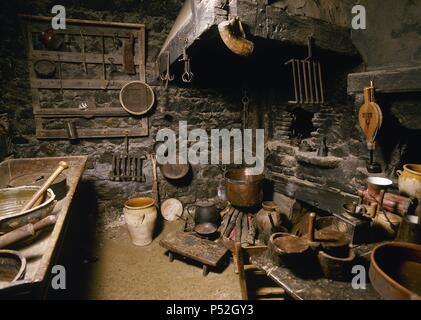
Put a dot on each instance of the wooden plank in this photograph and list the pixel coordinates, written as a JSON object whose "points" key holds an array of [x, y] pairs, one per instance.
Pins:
{"points": [[295, 29], [322, 197], [387, 81], [87, 22], [311, 289], [140, 130], [76, 112], [142, 55], [93, 133], [190, 27], [193, 247], [94, 84], [277, 25], [88, 31], [77, 57]]}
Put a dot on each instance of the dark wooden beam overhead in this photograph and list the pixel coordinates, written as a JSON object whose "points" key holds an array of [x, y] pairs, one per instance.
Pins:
{"points": [[260, 20], [387, 81], [274, 23]]}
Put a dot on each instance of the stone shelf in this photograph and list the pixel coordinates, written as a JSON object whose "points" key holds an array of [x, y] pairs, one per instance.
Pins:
{"points": [[329, 162], [386, 81]]}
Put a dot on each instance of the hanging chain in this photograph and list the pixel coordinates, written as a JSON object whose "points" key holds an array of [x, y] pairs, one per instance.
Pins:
{"points": [[246, 101]]}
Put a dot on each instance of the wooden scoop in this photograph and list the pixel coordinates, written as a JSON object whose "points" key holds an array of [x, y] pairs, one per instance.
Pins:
{"points": [[297, 245], [61, 167]]}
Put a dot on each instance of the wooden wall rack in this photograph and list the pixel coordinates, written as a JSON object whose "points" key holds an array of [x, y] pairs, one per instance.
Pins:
{"points": [[92, 81]]}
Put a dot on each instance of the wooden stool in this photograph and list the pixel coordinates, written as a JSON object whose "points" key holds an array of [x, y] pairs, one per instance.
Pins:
{"points": [[188, 245]]}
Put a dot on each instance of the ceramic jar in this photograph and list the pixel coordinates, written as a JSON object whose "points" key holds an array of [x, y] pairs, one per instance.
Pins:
{"points": [[140, 215], [268, 220]]}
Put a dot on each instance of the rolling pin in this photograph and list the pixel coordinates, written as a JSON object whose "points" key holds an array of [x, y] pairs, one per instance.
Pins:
{"points": [[61, 167], [26, 231]]}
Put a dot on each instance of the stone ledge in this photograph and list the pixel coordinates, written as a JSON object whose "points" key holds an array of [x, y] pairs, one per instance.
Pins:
{"points": [[311, 158]]}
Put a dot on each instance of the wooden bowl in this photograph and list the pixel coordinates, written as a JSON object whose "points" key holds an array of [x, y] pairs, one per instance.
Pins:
{"points": [[12, 267], [13, 199]]}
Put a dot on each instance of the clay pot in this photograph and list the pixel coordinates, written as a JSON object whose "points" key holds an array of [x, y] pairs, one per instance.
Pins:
{"points": [[205, 212], [410, 183], [268, 220], [377, 184], [388, 222], [140, 215], [395, 270], [410, 230]]}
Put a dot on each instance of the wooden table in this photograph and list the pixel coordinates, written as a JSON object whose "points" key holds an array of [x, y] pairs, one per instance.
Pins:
{"points": [[191, 246], [312, 289]]}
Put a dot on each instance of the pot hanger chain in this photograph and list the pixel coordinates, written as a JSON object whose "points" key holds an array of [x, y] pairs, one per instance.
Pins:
{"points": [[246, 101]]}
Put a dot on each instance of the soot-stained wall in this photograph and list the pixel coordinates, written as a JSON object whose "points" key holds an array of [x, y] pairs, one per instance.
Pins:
{"points": [[391, 40], [201, 108]]}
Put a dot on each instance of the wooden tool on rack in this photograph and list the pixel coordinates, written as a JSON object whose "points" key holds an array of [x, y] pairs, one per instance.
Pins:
{"points": [[61, 167], [128, 57], [371, 119]]}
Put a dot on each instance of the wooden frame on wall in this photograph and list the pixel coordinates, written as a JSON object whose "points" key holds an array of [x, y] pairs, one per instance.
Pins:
{"points": [[76, 29]]}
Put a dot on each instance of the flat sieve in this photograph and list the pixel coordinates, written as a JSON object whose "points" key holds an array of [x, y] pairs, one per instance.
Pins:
{"points": [[137, 97]]}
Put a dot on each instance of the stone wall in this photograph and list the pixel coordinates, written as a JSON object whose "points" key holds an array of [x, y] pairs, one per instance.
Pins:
{"points": [[393, 34], [201, 108], [391, 40]]}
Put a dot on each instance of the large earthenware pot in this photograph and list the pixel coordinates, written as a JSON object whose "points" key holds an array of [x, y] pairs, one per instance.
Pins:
{"points": [[140, 215], [268, 220], [410, 183], [395, 270]]}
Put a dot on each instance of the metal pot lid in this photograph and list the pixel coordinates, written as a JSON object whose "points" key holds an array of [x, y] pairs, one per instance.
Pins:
{"points": [[45, 69], [171, 209]]}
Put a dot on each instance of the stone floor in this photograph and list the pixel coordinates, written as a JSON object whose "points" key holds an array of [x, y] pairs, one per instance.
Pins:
{"points": [[124, 271]]}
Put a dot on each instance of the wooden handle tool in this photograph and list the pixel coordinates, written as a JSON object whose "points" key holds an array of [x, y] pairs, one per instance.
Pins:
{"points": [[61, 167], [311, 219], [25, 231]]}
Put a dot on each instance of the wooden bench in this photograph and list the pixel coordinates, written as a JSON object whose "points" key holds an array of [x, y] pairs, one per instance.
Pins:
{"points": [[191, 246]]}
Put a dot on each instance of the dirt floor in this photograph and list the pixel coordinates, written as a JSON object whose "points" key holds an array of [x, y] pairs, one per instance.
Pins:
{"points": [[125, 271]]}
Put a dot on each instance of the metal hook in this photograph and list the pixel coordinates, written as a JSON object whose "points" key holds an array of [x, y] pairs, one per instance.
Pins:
{"points": [[167, 77], [187, 75], [309, 48]]}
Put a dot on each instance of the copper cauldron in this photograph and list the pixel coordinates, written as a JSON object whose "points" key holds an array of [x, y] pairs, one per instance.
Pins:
{"points": [[243, 188]]}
